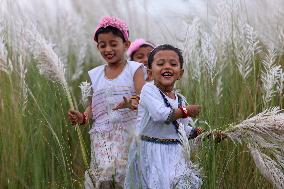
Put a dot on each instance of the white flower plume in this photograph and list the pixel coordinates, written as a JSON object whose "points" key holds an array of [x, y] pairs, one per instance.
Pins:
{"points": [[184, 142], [270, 75], [49, 63], [5, 64], [86, 90], [264, 136]]}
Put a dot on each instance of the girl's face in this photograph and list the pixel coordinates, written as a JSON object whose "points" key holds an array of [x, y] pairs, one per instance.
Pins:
{"points": [[141, 55], [166, 68], [112, 47]]}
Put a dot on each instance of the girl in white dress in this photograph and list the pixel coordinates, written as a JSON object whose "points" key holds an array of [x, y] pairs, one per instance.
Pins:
{"points": [[158, 161], [111, 83]]}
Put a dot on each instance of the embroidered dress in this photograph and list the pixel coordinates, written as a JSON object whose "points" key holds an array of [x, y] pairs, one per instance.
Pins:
{"points": [[155, 164], [111, 129]]}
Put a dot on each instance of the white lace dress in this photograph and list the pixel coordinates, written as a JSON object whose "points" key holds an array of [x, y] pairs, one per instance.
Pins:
{"points": [[110, 133], [154, 165]]}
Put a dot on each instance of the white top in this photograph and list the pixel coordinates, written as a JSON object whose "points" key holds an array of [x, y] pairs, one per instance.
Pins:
{"points": [[152, 114], [109, 92], [145, 72]]}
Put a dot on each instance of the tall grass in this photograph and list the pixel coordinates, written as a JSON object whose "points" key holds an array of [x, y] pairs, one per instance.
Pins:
{"points": [[38, 145], [231, 82], [229, 70]]}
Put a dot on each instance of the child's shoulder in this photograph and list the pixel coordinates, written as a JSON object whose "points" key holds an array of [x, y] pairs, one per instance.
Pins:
{"points": [[134, 65], [97, 69], [149, 87]]}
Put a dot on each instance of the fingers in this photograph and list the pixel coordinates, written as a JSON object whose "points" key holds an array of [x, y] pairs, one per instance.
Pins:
{"points": [[134, 107], [127, 103], [125, 100], [193, 110], [222, 135], [118, 106], [124, 104], [73, 117], [219, 136], [71, 112], [199, 130]]}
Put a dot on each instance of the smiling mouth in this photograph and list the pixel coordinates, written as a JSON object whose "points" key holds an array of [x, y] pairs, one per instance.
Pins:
{"points": [[167, 74], [109, 56]]}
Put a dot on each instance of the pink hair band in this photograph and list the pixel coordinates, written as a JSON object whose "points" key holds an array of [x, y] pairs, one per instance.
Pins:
{"points": [[135, 45], [114, 22]]}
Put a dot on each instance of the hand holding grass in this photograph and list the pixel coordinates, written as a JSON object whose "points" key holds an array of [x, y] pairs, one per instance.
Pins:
{"points": [[195, 132], [199, 130], [217, 135], [75, 117]]}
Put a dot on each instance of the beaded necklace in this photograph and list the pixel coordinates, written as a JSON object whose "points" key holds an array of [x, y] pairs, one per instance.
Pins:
{"points": [[167, 103]]}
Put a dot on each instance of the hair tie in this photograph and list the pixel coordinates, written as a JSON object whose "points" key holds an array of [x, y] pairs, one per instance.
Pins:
{"points": [[114, 22]]}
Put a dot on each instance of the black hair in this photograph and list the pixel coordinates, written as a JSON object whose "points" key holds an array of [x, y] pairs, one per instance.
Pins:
{"points": [[144, 45], [162, 48], [109, 29]]}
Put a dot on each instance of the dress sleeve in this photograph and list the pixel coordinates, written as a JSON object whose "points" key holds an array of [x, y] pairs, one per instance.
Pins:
{"points": [[152, 101], [134, 66]]}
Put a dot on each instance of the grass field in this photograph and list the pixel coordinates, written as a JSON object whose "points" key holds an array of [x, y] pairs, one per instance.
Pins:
{"points": [[229, 71]]}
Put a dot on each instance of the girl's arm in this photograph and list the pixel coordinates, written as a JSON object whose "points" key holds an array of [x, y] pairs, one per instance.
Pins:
{"points": [[152, 101], [132, 102], [81, 118], [190, 111], [138, 80]]}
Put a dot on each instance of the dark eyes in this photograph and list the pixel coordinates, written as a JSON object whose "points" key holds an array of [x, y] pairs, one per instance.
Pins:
{"points": [[172, 63], [160, 63], [103, 45]]}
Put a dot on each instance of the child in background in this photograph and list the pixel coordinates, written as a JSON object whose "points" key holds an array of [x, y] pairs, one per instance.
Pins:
{"points": [[111, 83], [139, 51], [159, 162]]}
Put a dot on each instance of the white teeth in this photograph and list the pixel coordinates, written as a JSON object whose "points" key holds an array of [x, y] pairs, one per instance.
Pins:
{"points": [[166, 74]]}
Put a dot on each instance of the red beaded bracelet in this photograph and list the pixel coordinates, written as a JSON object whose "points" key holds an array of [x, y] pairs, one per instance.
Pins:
{"points": [[184, 112], [84, 114]]}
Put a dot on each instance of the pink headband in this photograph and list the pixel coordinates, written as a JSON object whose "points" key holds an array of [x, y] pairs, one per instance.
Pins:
{"points": [[114, 22], [135, 45]]}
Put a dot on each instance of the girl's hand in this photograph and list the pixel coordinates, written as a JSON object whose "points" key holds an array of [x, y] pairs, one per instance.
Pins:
{"points": [[75, 117], [127, 103], [193, 110], [195, 132], [219, 136], [199, 130], [134, 103]]}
